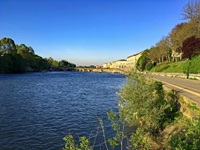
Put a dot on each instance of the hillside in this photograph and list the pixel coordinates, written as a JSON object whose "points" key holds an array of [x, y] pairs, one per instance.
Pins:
{"points": [[179, 67]]}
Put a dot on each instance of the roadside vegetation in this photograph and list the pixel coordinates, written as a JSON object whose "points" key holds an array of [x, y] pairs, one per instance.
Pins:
{"points": [[21, 58], [179, 67], [148, 118], [179, 51]]}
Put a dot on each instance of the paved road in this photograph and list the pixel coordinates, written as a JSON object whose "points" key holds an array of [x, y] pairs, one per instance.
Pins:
{"points": [[186, 87]]}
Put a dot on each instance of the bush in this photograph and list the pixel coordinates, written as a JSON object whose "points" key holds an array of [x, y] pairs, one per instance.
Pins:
{"points": [[149, 66], [145, 104], [189, 137], [140, 65]]}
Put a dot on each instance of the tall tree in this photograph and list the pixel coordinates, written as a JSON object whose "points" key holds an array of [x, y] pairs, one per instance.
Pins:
{"points": [[192, 10], [153, 54], [7, 45], [164, 50], [191, 47]]}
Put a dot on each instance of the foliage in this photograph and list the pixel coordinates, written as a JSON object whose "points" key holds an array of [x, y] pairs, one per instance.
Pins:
{"points": [[146, 107], [151, 55], [66, 64], [161, 67], [7, 45], [191, 47], [189, 136], [178, 35], [179, 67], [70, 143], [192, 10], [163, 49], [118, 125], [11, 63], [140, 140], [149, 66], [142, 61], [22, 58]]}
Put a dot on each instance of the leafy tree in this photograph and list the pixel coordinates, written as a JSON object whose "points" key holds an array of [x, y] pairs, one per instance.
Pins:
{"points": [[177, 36], [11, 63], [191, 47], [151, 55], [118, 125], [164, 50], [149, 66], [142, 61], [146, 107], [7, 45], [66, 64]]}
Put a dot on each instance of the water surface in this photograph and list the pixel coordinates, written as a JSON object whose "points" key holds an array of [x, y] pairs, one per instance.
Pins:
{"points": [[38, 109]]}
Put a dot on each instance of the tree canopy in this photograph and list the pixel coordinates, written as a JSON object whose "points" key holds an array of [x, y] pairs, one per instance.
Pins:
{"points": [[22, 58]]}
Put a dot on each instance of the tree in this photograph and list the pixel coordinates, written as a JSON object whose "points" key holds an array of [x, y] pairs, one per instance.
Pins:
{"points": [[164, 50], [11, 63], [191, 47], [192, 10], [142, 61], [7, 45], [146, 107], [153, 54]]}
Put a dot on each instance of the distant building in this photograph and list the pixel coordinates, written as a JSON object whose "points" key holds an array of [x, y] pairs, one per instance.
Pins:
{"points": [[113, 65], [125, 64], [107, 65], [121, 63], [132, 60], [98, 66], [176, 56]]}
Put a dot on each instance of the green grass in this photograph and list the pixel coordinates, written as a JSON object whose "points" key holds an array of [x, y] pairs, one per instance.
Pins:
{"points": [[175, 67], [178, 67]]}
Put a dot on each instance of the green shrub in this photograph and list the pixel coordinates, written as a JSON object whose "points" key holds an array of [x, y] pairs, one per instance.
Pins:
{"points": [[142, 61], [189, 137], [70, 143], [145, 104], [149, 66]]}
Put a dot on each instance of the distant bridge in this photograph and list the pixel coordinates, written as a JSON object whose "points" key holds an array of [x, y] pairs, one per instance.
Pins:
{"points": [[109, 70]]}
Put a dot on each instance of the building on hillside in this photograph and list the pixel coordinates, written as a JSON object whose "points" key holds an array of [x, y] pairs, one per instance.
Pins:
{"points": [[107, 65], [120, 64], [132, 60], [176, 56], [113, 65]]}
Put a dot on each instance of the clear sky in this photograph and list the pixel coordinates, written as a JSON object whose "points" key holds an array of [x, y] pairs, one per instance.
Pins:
{"points": [[88, 32]]}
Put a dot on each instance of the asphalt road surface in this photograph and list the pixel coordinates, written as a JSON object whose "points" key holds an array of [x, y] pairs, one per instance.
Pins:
{"points": [[186, 87]]}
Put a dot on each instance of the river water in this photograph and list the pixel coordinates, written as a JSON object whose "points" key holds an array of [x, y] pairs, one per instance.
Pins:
{"points": [[38, 109]]}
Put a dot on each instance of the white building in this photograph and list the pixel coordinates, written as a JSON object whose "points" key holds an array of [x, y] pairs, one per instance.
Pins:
{"points": [[107, 65], [121, 63], [132, 60]]}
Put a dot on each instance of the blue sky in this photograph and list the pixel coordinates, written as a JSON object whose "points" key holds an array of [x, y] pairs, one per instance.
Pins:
{"points": [[88, 32]]}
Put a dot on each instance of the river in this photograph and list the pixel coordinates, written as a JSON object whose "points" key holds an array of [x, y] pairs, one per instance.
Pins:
{"points": [[38, 109]]}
